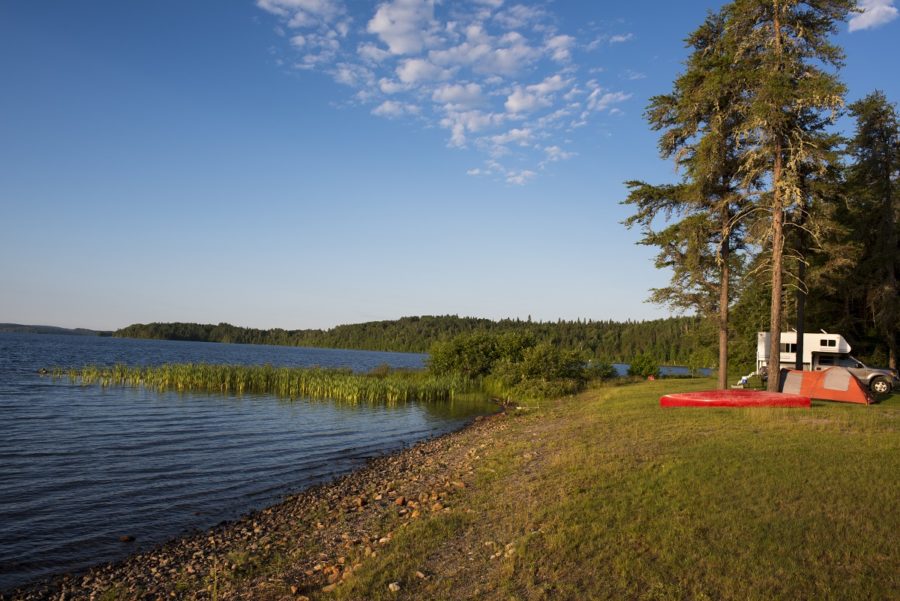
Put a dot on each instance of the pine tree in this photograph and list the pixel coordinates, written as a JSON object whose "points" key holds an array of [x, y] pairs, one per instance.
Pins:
{"points": [[700, 243], [781, 50], [873, 180]]}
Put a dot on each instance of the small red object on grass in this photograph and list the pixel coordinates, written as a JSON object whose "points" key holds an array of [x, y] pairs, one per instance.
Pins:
{"points": [[734, 398]]}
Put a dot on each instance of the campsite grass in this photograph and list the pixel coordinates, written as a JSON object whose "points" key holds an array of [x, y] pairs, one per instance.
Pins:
{"points": [[608, 496]]}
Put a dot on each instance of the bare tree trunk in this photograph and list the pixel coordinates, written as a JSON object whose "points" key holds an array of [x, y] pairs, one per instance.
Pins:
{"points": [[725, 250], [801, 287], [774, 364]]}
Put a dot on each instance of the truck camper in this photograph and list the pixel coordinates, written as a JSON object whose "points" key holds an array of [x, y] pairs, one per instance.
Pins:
{"points": [[822, 351]]}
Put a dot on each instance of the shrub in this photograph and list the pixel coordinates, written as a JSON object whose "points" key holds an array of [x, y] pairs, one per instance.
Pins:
{"points": [[470, 355], [643, 366], [600, 370]]}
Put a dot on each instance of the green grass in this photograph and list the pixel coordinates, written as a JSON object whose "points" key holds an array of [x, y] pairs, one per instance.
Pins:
{"points": [[608, 496], [380, 386]]}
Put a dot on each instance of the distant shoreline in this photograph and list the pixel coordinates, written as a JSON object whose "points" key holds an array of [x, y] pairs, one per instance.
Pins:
{"points": [[17, 328]]}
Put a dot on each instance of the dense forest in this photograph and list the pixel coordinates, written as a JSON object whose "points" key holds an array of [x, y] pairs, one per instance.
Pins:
{"points": [[670, 341]]}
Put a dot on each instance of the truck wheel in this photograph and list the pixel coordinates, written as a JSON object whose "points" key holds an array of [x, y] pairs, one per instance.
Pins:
{"points": [[880, 386]]}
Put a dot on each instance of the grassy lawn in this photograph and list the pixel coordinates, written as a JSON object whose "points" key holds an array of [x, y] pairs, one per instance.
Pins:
{"points": [[608, 496]]}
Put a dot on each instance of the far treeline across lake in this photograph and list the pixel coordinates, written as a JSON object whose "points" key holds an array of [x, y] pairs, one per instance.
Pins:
{"points": [[669, 341], [685, 340]]}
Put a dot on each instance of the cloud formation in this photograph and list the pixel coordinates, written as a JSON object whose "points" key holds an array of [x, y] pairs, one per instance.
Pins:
{"points": [[874, 14], [499, 77]]}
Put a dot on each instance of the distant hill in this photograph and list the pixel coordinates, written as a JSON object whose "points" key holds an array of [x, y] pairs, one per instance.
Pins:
{"points": [[672, 340], [28, 329]]}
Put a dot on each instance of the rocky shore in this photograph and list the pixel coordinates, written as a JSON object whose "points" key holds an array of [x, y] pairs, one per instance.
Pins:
{"points": [[300, 547]]}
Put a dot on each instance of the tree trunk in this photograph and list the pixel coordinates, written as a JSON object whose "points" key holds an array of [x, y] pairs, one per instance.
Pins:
{"points": [[801, 287], [725, 275], [774, 364]]}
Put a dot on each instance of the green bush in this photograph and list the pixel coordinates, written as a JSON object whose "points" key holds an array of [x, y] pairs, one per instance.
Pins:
{"points": [[470, 355], [600, 370], [514, 365], [643, 366]]}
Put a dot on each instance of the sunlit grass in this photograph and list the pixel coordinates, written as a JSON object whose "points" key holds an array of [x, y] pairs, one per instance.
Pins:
{"points": [[609, 496]]}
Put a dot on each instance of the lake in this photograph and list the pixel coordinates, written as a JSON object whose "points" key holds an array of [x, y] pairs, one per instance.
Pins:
{"points": [[82, 466]]}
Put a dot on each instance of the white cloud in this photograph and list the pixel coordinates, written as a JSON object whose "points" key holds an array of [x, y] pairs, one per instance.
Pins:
{"points": [[500, 79], [555, 153], [598, 100], [489, 55], [458, 96], [352, 75], [875, 13], [560, 47], [390, 86], [517, 136], [622, 37], [414, 70], [533, 97], [303, 13], [371, 53], [520, 177], [460, 123], [522, 101], [406, 26], [393, 109], [518, 16]]}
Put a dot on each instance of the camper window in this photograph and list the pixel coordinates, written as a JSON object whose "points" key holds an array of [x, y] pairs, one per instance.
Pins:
{"points": [[827, 342], [788, 347]]}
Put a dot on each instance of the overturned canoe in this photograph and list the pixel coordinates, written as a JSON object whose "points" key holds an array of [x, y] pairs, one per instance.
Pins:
{"points": [[733, 398]]}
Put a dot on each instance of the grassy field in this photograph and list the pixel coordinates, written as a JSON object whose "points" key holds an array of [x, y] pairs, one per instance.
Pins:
{"points": [[608, 496]]}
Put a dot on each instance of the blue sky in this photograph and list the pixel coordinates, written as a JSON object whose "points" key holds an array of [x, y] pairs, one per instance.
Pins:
{"points": [[307, 163]]}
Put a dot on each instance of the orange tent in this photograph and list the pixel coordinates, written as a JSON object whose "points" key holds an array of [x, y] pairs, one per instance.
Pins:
{"points": [[833, 384]]}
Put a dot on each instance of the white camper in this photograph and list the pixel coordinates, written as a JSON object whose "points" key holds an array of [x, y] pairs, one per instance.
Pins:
{"points": [[822, 351], [813, 346]]}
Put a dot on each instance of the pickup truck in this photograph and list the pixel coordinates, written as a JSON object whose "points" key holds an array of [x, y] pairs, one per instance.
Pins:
{"points": [[879, 381]]}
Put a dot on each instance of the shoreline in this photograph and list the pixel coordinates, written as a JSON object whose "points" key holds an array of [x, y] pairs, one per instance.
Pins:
{"points": [[304, 544]]}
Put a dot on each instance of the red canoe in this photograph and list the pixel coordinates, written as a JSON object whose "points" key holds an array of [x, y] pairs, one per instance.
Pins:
{"points": [[734, 398]]}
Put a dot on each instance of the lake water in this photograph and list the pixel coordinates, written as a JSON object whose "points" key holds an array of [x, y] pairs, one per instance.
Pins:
{"points": [[82, 466]]}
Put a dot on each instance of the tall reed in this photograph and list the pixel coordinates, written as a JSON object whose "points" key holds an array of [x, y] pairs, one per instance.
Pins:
{"points": [[391, 387]]}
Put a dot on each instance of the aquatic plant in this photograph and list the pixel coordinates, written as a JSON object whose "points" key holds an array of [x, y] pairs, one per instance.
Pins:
{"points": [[393, 387]]}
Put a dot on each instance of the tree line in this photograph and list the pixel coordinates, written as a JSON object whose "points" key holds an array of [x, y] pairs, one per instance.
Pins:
{"points": [[676, 340], [777, 221]]}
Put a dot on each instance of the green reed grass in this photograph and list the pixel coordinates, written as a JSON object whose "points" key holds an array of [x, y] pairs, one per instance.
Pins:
{"points": [[380, 386]]}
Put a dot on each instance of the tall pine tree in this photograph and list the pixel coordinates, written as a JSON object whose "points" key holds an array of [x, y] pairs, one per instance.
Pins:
{"points": [[873, 181], [698, 120], [781, 51]]}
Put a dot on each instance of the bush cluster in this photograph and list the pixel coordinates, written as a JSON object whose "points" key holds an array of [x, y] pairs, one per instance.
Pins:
{"points": [[515, 365]]}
